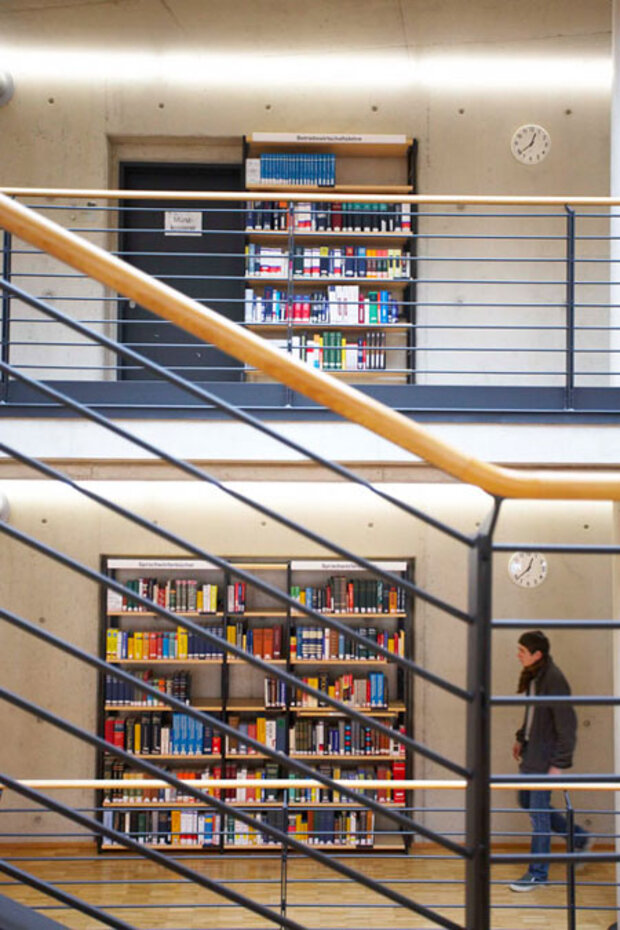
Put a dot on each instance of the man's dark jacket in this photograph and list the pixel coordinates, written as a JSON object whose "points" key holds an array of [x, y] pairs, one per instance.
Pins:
{"points": [[553, 733]]}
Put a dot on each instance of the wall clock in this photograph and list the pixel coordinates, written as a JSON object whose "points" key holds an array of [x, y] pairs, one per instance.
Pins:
{"points": [[530, 144], [527, 569]]}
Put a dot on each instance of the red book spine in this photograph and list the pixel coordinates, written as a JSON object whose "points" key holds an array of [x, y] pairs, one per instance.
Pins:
{"points": [[398, 773], [108, 732], [119, 734]]}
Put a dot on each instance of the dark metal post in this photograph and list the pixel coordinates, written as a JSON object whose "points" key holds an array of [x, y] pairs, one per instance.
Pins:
{"points": [[284, 858], [571, 920], [6, 313], [477, 824], [569, 387]]}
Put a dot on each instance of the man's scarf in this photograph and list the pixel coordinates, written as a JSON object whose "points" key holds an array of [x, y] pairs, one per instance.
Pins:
{"points": [[529, 673]]}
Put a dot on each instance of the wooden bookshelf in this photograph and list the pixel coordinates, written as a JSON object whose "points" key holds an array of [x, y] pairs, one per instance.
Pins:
{"points": [[376, 166], [233, 690]]}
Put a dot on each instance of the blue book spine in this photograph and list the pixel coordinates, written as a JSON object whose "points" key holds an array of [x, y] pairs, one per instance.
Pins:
{"points": [[384, 298]]}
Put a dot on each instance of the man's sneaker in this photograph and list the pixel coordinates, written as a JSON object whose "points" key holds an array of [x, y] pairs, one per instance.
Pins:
{"points": [[527, 882], [585, 847]]}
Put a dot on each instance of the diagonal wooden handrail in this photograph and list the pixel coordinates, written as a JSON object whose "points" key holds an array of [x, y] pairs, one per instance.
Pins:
{"points": [[353, 405]]}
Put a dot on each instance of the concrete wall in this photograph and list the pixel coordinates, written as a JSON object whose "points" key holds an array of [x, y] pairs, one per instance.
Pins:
{"points": [[68, 605], [458, 77], [109, 79]]}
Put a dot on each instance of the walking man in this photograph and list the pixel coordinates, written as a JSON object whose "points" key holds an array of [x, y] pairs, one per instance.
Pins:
{"points": [[544, 745]]}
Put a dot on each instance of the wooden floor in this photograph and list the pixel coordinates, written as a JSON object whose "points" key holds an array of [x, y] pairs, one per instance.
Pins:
{"points": [[146, 896]]}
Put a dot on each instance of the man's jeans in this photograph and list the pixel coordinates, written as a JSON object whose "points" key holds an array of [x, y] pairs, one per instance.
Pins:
{"points": [[545, 821]]}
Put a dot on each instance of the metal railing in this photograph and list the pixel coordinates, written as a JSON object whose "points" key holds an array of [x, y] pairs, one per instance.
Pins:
{"points": [[471, 848], [496, 304]]}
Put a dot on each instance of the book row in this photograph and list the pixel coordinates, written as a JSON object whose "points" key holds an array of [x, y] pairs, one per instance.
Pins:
{"points": [[262, 641], [330, 351], [341, 304], [167, 644], [176, 594], [358, 692], [324, 216], [348, 261], [165, 827], [292, 168], [270, 731], [340, 737], [351, 595], [393, 771], [317, 642], [168, 734], [306, 642], [116, 769], [203, 829], [117, 691]]}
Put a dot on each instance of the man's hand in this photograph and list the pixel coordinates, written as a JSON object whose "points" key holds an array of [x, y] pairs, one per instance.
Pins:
{"points": [[554, 770], [516, 750]]}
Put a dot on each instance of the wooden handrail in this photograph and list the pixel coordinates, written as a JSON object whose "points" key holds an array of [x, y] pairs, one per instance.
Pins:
{"points": [[512, 200], [435, 784], [343, 399]]}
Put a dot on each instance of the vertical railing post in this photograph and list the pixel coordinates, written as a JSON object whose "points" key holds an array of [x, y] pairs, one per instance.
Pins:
{"points": [[477, 818], [569, 384], [570, 866], [284, 859], [5, 350]]}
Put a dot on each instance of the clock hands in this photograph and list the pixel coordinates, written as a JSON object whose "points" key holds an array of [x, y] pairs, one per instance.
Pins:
{"points": [[530, 143], [526, 569]]}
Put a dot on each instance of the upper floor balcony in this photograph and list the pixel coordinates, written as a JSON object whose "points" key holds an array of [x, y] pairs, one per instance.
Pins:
{"points": [[442, 308]]}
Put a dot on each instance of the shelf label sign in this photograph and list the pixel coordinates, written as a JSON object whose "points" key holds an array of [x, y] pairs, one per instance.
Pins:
{"points": [[182, 223], [160, 564]]}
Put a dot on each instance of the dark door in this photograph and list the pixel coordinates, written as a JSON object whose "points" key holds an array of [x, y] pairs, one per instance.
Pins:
{"points": [[195, 247]]}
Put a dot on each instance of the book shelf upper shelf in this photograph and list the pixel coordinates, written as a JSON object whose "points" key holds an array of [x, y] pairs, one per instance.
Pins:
{"points": [[333, 189]]}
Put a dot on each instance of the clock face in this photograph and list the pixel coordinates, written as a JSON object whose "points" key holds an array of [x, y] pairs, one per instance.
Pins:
{"points": [[527, 569], [530, 144]]}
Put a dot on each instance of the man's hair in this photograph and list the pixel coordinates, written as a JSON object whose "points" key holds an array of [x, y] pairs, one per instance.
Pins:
{"points": [[535, 641]]}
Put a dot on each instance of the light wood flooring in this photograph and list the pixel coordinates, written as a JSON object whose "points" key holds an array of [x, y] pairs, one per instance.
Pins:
{"points": [[146, 896]]}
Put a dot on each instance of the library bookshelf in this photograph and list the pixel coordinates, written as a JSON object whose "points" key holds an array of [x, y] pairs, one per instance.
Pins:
{"points": [[333, 282], [259, 706]]}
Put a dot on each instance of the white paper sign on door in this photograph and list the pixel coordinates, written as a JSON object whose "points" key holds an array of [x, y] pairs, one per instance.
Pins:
{"points": [[182, 223]]}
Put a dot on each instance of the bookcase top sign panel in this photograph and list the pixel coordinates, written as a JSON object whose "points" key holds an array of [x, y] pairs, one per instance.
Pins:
{"points": [[341, 162]]}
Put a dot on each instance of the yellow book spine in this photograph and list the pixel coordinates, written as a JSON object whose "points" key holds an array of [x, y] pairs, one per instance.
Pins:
{"points": [[336, 775], [138, 637], [175, 827], [137, 737]]}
